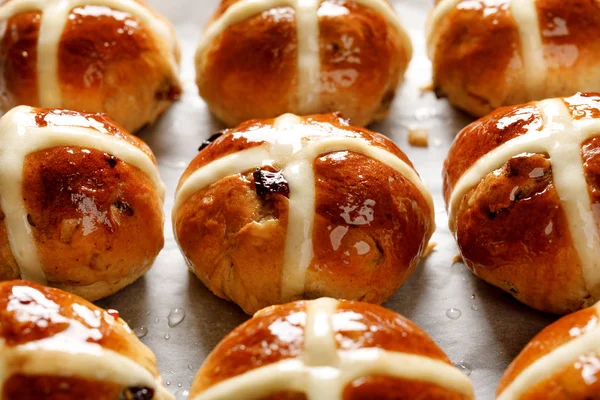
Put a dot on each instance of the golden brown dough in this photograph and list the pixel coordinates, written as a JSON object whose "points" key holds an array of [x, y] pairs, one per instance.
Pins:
{"points": [[115, 57], [80, 202], [360, 216], [57, 346], [521, 187], [559, 363], [325, 349], [321, 56], [490, 54]]}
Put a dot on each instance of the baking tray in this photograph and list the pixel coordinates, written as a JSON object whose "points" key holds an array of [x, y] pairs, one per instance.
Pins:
{"points": [[492, 327]]}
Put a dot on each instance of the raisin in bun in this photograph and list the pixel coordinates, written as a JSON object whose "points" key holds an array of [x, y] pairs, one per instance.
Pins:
{"points": [[302, 207], [113, 56], [489, 54], [522, 188], [326, 349], [260, 59], [80, 202], [54, 345], [559, 363]]}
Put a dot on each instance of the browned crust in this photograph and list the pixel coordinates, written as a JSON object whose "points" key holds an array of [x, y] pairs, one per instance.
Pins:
{"points": [[384, 388], [564, 384], [357, 258], [254, 344], [230, 236], [473, 55], [109, 62], [483, 136], [96, 220], [21, 387], [478, 55], [16, 330], [513, 233], [363, 60]]}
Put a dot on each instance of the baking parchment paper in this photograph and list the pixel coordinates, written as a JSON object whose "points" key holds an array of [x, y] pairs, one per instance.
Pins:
{"points": [[492, 327]]}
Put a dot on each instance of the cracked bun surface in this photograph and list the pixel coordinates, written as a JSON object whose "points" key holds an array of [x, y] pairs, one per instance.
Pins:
{"points": [[490, 54], [117, 57], [329, 350], [302, 207], [522, 191], [305, 57], [55, 345], [80, 202]]}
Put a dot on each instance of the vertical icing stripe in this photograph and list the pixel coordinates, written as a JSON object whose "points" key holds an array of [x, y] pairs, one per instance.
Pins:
{"points": [[55, 14], [548, 365], [323, 372], [18, 139], [92, 362], [309, 57], [436, 16], [298, 251], [307, 31], [526, 17], [562, 138], [295, 154], [572, 188]]}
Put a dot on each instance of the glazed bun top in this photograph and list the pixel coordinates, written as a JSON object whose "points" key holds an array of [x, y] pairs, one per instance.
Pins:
{"points": [[24, 131], [561, 362], [488, 54], [290, 145], [566, 130], [46, 332], [53, 20], [326, 349], [331, 56]]}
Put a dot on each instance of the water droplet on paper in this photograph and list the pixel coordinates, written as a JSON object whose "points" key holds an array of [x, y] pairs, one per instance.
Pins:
{"points": [[167, 336], [168, 383], [464, 368], [181, 394], [473, 296], [140, 331], [453, 313], [474, 308], [179, 384], [190, 367], [176, 316], [156, 320]]}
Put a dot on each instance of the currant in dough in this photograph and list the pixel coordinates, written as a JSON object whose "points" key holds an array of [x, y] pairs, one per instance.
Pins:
{"points": [[559, 363], [263, 58], [489, 54], [54, 345], [113, 56], [522, 191], [302, 207], [329, 350], [80, 202]]}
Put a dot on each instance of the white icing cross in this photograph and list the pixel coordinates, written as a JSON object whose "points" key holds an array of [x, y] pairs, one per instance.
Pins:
{"points": [[525, 15], [19, 137], [68, 354], [55, 14], [562, 139], [323, 372], [544, 368], [307, 27], [287, 146]]}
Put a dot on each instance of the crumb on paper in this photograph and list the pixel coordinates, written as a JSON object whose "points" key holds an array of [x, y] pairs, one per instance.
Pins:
{"points": [[457, 259], [418, 137], [430, 248], [427, 87]]}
